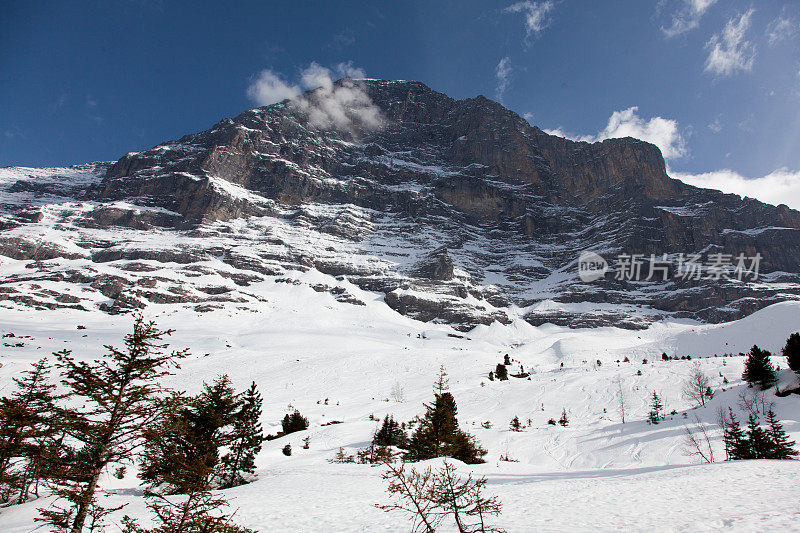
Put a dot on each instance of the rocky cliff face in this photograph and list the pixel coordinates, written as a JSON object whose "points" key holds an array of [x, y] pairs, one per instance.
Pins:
{"points": [[456, 210]]}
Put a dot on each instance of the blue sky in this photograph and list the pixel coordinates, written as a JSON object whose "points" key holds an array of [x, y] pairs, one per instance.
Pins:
{"points": [[715, 83]]}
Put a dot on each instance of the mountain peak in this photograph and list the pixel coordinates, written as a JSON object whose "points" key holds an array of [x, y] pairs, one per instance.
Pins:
{"points": [[395, 173]]}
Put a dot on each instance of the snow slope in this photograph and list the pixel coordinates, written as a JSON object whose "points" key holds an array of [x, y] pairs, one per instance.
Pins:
{"points": [[303, 347]]}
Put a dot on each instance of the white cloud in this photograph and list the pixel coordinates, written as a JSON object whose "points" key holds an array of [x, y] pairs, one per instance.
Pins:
{"points": [[687, 17], [347, 70], [343, 106], [270, 88], [782, 28], [503, 75], [779, 187], [715, 126], [536, 16], [729, 51], [662, 132]]}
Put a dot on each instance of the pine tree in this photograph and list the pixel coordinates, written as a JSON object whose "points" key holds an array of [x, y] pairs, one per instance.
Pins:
{"points": [[438, 434], [177, 457], [389, 434], [564, 421], [245, 438], [758, 368], [31, 430], [294, 422], [500, 372], [183, 450], [442, 383], [792, 352], [780, 447], [515, 424], [656, 406], [736, 444], [117, 396], [758, 441]]}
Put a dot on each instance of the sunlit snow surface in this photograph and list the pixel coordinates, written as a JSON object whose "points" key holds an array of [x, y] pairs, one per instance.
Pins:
{"points": [[303, 346]]}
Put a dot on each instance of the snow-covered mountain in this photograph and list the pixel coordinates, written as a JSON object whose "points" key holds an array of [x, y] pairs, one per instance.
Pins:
{"points": [[458, 211]]}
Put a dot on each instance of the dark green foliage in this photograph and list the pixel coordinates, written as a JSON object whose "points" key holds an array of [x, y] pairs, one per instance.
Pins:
{"points": [[178, 456], [515, 424], [780, 445], [563, 421], [294, 422], [373, 455], [757, 439], [245, 438], [31, 431], [656, 409], [287, 450], [736, 444], [506, 360], [792, 352], [758, 369], [199, 513], [757, 443], [438, 434], [390, 434], [183, 451], [117, 396], [491, 375], [500, 372]]}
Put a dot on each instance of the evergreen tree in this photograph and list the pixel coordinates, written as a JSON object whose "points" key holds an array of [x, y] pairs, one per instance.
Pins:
{"points": [[438, 434], [736, 444], [442, 383], [389, 434], [757, 438], [656, 406], [564, 421], [177, 456], [246, 438], [294, 422], [183, 450], [30, 429], [116, 397], [792, 352], [780, 445], [500, 372], [515, 424], [758, 368]]}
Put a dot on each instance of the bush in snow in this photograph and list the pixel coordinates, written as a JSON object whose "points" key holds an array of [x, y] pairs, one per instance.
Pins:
{"points": [[294, 422], [428, 497]]}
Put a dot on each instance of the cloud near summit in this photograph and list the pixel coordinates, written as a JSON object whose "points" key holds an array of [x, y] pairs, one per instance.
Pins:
{"points": [[662, 132], [344, 106]]}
